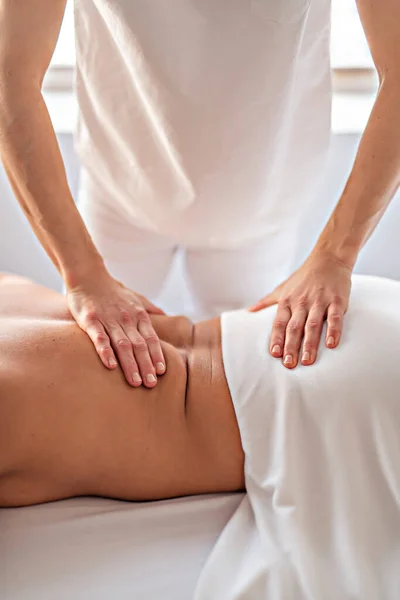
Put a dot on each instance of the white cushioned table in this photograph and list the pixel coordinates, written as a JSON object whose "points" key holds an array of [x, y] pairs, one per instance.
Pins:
{"points": [[97, 549]]}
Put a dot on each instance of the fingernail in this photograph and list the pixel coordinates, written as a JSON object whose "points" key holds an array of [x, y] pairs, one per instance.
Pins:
{"points": [[136, 378], [288, 360], [160, 367], [306, 356], [112, 362], [276, 350], [150, 379], [331, 341]]}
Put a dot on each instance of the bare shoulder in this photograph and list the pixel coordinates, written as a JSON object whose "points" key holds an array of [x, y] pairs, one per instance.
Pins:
{"points": [[23, 298]]}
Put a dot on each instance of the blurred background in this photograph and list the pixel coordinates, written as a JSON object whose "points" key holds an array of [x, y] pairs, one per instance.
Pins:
{"points": [[355, 85]]}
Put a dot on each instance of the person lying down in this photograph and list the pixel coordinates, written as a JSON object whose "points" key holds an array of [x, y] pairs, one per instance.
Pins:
{"points": [[69, 427], [317, 450]]}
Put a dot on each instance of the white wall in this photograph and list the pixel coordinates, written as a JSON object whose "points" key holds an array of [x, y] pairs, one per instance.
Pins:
{"points": [[21, 253]]}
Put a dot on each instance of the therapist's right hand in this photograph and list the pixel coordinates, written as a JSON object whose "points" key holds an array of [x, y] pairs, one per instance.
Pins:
{"points": [[117, 321]]}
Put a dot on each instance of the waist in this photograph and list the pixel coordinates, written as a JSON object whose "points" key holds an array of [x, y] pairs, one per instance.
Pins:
{"points": [[216, 219], [210, 416], [362, 361]]}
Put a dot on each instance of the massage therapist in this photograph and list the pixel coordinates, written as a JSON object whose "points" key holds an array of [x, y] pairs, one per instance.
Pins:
{"points": [[203, 125]]}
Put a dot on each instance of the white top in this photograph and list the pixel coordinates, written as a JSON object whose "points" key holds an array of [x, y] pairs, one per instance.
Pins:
{"points": [[321, 519], [206, 120]]}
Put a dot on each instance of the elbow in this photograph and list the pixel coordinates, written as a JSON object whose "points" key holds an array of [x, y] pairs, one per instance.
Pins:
{"points": [[389, 77]]}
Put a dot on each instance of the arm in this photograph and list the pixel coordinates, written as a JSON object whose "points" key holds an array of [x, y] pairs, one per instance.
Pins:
{"points": [[45, 303], [320, 288], [111, 315], [375, 176], [28, 144]]}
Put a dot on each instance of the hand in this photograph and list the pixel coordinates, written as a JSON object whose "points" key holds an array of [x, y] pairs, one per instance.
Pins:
{"points": [[318, 290], [117, 321]]}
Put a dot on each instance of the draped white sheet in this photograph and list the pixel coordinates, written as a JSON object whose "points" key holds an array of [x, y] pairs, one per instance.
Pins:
{"points": [[321, 518]]}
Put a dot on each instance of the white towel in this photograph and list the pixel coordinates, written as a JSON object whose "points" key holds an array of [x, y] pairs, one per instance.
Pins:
{"points": [[321, 518]]}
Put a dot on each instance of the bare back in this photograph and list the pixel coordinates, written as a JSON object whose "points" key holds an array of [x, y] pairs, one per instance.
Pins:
{"points": [[69, 427]]}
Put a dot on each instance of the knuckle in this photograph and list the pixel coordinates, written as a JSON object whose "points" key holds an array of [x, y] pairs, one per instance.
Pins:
{"points": [[294, 327], [333, 330], [337, 301], [280, 324], [141, 314], [335, 318], [320, 304], [101, 338], [124, 344], [151, 337], [302, 301], [313, 324], [91, 317], [105, 351], [126, 318], [285, 302], [140, 345], [309, 346]]}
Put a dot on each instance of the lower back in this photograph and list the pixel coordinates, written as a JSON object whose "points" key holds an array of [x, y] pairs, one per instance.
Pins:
{"points": [[70, 427]]}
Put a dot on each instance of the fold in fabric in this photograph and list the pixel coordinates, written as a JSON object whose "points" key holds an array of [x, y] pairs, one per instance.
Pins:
{"points": [[321, 518]]}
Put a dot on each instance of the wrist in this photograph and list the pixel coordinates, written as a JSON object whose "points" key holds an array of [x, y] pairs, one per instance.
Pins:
{"points": [[78, 275], [335, 254], [338, 246]]}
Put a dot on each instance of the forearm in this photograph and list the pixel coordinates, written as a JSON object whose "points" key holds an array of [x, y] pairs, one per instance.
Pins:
{"points": [[32, 160], [373, 181]]}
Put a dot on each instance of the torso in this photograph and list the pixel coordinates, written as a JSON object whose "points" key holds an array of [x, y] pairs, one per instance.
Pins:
{"points": [[77, 428], [193, 112]]}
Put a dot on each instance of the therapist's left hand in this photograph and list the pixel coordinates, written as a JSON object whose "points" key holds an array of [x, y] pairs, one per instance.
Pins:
{"points": [[318, 290]]}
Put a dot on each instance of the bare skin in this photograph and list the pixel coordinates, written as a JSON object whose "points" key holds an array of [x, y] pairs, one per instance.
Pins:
{"points": [[68, 427], [114, 317], [320, 288]]}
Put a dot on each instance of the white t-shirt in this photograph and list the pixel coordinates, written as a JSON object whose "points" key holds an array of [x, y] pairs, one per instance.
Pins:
{"points": [[204, 120]]}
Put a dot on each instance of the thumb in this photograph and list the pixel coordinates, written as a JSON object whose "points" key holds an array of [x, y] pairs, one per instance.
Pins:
{"points": [[265, 302], [151, 308]]}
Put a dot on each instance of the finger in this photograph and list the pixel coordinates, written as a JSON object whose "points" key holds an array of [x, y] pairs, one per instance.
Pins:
{"points": [[143, 359], [124, 349], [140, 347], [147, 332], [312, 337], [101, 342], [334, 324], [294, 337], [277, 342], [269, 300]]}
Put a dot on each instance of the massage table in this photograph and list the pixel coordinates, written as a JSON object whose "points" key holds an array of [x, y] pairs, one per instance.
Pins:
{"points": [[97, 549], [321, 516]]}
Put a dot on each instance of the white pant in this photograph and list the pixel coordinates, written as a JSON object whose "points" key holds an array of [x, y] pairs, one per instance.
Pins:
{"points": [[199, 281]]}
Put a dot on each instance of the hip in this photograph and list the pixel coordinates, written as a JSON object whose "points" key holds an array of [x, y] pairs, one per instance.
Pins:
{"points": [[211, 220]]}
